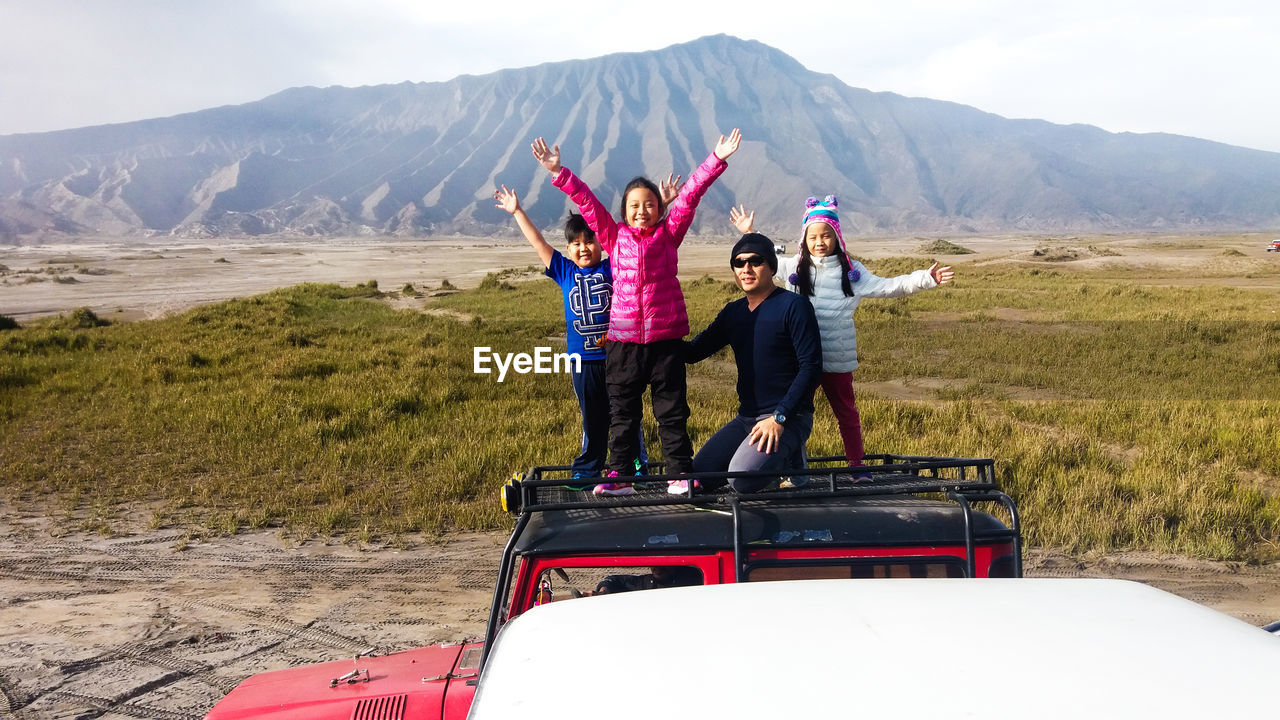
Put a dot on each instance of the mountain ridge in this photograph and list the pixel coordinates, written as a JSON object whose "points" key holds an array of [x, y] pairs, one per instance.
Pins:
{"points": [[414, 159]]}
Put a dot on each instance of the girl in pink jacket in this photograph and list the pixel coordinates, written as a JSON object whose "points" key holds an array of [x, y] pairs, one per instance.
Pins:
{"points": [[648, 319]]}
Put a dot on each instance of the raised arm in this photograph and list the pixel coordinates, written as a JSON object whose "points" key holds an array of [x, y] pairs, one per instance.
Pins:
{"points": [[507, 200], [593, 212], [680, 214], [742, 220]]}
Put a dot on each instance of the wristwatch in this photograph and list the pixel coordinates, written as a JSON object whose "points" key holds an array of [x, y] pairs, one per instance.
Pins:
{"points": [[779, 418]]}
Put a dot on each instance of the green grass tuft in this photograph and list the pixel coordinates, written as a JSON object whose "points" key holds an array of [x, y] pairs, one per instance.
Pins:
{"points": [[79, 319]]}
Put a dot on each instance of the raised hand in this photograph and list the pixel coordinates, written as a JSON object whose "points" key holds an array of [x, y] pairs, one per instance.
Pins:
{"points": [[728, 146], [548, 156], [507, 200], [942, 275], [741, 219], [670, 188]]}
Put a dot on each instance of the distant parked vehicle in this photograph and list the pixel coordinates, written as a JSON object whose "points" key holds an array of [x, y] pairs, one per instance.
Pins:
{"points": [[1275, 245]]}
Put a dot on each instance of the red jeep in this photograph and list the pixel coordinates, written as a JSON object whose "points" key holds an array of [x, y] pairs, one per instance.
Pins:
{"points": [[914, 519], [1274, 246]]}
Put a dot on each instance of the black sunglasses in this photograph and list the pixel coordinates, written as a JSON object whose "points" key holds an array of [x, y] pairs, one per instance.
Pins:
{"points": [[755, 260]]}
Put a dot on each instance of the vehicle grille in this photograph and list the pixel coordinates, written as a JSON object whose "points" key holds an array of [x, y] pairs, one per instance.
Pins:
{"points": [[390, 707]]}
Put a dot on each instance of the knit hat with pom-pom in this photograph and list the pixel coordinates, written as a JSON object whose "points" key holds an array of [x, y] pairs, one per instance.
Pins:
{"points": [[823, 211]]}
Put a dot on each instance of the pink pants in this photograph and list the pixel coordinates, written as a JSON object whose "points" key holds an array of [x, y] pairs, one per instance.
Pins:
{"points": [[838, 387]]}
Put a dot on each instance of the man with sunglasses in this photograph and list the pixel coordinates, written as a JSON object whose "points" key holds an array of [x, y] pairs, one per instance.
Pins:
{"points": [[774, 335]]}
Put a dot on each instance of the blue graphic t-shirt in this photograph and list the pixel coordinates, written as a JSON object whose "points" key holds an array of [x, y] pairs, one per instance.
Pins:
{"points": [[587, 295]]}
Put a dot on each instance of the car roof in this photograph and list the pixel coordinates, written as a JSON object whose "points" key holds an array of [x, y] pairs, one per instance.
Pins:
{"points": [[883, 521], [928, 648]]}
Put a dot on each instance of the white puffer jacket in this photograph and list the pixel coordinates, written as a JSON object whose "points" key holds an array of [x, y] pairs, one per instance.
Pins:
{"points": [[835, 309]]}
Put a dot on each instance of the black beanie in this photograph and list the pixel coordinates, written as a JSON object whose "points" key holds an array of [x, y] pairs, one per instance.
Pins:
{"points": [[757, 243]]}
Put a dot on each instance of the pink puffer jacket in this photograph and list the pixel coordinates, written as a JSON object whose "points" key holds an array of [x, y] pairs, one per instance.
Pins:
{"points": [[648, 304]]}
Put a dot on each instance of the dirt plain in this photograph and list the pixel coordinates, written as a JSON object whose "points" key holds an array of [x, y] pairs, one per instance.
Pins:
{"points": [[149, 623], [150, 278]]}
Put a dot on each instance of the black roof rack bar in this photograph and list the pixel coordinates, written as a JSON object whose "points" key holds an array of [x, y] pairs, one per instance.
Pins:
{"points": [[501, 588], [739, 565], [1014, 532], [888, 463], [985, 467], [1015, 524], [897, 488], [537, 476], [910, 486], [885, 458], [970, 566]]}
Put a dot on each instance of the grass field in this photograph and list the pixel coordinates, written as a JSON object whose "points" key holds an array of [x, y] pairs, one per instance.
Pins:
{"points": [[1123, 413]]}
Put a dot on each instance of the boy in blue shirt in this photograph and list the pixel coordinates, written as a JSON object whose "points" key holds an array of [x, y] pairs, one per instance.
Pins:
{"points": [[587, 285]]}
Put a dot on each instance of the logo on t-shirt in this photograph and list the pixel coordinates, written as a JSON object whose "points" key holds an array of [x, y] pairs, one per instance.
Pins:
{"points": [[589, 301]]}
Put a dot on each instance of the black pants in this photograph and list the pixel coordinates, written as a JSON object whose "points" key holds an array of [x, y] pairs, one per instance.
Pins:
{"points": [[629, 368], [593, 402]]}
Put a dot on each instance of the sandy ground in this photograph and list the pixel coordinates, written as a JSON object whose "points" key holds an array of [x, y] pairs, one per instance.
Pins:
{"points": [[148, 625], [151, 625], [152, 278]]}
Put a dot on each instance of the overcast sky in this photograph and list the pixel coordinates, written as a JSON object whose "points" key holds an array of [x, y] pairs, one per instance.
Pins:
{"points": [[1205, 69]]}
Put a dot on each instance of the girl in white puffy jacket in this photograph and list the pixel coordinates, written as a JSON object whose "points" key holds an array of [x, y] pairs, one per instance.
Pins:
{"points": [[834, 283]]}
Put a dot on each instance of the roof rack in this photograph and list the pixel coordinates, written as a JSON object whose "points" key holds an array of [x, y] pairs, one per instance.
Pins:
{"points": [[961, 480], [546, 487]]}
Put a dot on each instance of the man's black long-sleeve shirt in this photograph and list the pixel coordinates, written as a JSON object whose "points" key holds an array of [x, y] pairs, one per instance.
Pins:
{"points": [[776, 348]]}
